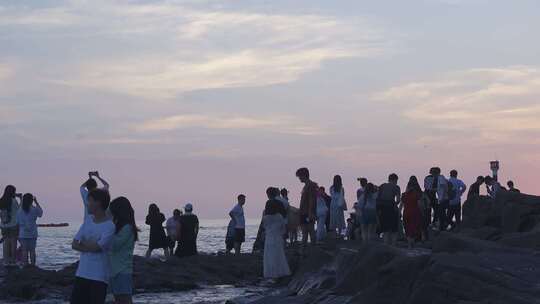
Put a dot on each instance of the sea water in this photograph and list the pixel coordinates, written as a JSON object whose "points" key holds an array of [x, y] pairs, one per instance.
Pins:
{"points": [[54, 252]]}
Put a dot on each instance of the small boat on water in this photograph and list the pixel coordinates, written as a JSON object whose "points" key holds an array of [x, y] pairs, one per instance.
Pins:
{"points": [[54, 225]]}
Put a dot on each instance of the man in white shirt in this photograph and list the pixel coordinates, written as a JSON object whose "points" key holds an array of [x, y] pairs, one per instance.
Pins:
{"points": [[93, 241], [88, 186], [458, 188], [237, 215]]}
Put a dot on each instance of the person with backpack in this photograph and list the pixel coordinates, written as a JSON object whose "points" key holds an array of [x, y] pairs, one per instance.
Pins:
{"points": [[455, 190]]}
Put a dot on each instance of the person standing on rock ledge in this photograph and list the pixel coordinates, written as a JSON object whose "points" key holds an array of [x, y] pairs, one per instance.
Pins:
{"points": [[93, 241], [188, 232], [492, 186], [122, 246], [454, 209], [237, 216], [387, 202], [474, 190], [308, 206]]}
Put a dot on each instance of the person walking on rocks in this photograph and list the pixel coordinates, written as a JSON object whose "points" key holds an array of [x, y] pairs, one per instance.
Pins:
{"points": [[387, 202], [275, 263], [121, 254], [308, 206], [28, 230], [237, 216], [337, 207], [158, 239]]}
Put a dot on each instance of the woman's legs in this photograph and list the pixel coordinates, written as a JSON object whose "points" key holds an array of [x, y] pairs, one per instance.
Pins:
{"points": [[33, 257], [12, 249]]}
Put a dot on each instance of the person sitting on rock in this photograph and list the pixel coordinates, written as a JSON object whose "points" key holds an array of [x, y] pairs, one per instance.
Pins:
{"points": [[492, 186], [511, 187]]}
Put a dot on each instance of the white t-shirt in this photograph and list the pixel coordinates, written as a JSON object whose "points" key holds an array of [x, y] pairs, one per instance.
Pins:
{"points": [[84, 196], [238, 216], [9, 220], [27, 222], [171, 226], [95, 265]]}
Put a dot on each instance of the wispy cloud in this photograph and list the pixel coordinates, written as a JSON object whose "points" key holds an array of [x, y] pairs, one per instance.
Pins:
{"points": [[495, 103], [175, 48], [283, 124]]}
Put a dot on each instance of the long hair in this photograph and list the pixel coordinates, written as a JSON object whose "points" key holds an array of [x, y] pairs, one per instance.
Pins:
{"points": [[27, 201], [369, 191], [153, 210], [413, 185], [123, 214], [7, 200], [338, 184]]}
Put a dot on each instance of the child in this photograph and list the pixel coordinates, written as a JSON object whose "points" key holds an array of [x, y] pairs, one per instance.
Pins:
{"points": [[28, 232], [93, 241]]}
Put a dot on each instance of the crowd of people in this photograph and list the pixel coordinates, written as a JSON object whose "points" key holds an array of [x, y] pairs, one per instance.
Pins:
{"points": [[107, 237]]}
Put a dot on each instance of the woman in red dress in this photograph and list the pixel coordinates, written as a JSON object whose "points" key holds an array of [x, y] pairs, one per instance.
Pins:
{"points": [[412, 217]]}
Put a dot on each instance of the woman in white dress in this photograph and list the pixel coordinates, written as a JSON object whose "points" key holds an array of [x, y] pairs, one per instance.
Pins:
{"points": [[338, 206], [274, 260], [322, 212]]}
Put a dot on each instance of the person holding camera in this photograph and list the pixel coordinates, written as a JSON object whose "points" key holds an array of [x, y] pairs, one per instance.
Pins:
{"points": [[28, 231], [89, 185]]}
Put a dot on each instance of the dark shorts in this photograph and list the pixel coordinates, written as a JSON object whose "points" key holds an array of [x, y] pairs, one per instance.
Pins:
{"points": [[389, 218], [239, 235], [88, 292], [11, 232], [229, 243]]}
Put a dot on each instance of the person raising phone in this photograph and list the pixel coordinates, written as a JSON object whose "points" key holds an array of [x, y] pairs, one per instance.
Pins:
{"points": [[89, 185]]}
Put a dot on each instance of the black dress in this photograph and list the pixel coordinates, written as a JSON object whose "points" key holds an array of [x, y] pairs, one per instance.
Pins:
{"points": [[187, 244], [158, 239]]}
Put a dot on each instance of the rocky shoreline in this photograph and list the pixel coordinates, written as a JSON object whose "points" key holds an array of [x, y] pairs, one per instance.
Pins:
{"points": [[494, 258]]}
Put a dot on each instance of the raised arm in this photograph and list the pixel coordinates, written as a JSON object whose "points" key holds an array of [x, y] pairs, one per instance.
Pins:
{"points": [[38, 208], [104, 182]]}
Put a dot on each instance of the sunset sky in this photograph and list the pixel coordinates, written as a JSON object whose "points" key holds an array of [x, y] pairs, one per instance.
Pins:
{"points": [[197, 101]]}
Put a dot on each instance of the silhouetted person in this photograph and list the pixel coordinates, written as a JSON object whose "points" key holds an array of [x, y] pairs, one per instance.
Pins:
{"points": [[459, 188], [337, 207], [273, 201], [412, 215], [188, 232], [492, 186], [158, 239], [387, 202], [363, 183], [511, 187], [8, 222], [308, 206], [237, 216], [474, 190]]}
